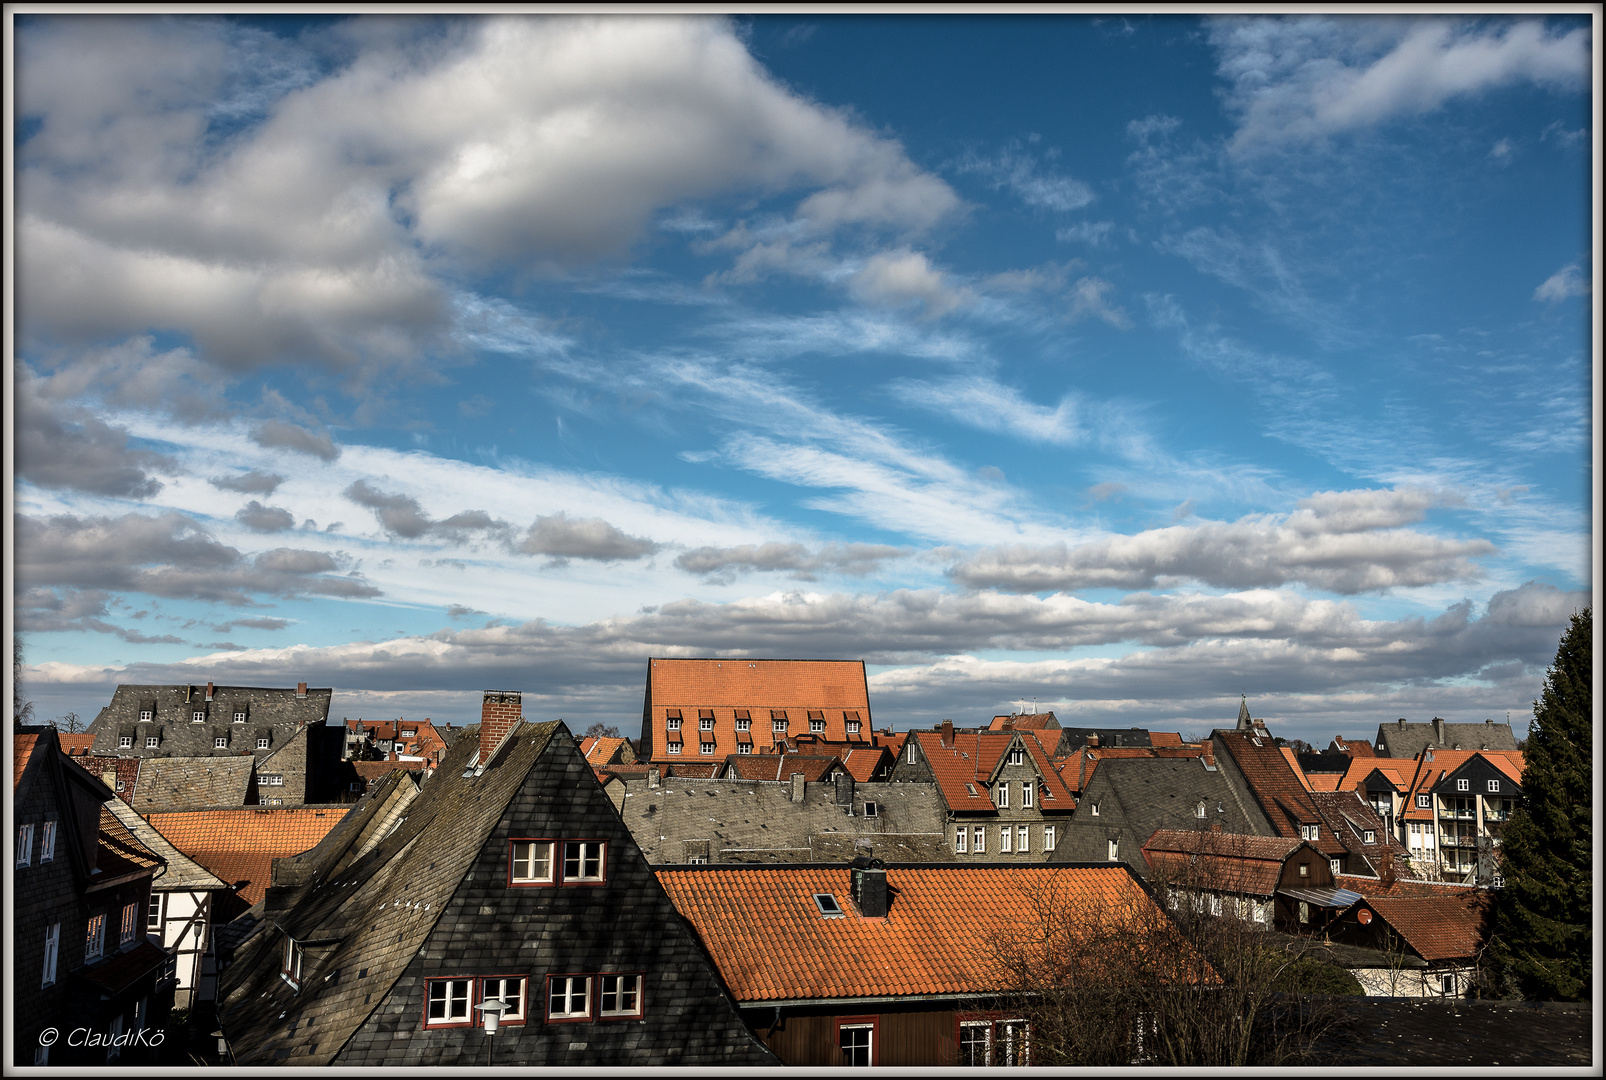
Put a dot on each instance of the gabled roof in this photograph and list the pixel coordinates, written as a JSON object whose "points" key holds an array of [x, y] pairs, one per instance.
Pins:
{"points": [[1025, 722], [1275, 784], [1437, 927], [863, 762], [22, 748], [182, 872], [975, 757], [1220, 861], [1350, 818], [814, 767], [1401, 887], [1353, 747], [1078, 769], [1407, 740], [280, 710], [176, 783], [771, 944], [241, 844], [605, 750], [1435, 766]]}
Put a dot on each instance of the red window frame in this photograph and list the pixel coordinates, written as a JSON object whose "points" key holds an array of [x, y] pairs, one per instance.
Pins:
{"points": [[560, 850], [524, 991], [872, 1022], [468, 1020]]}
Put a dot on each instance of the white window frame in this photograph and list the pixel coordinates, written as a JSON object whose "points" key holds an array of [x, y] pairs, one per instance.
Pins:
{"points": [[1334, 864], [1048, 838], [816, 726], [962, 840], [146, 716], [853, 727], [623, 992], [220, 742], [778, 727], [744, 724], [125, 742], [1006, 835], [1494, 786], [1017, 756], [47, 841], [705, 748], [1115, 851], [1001, 794], [95, 937], [1199, 811], [1215, 903], [156, 913], [25, 845], [1424, 801], [525, 865], [292, 962], [1023, 842], [496, 987], [239, 717], [672, 723], [744, 748], [1369, 836], [911, 751], [453, 999], [575, 989], [198, 717], [1095, 807], [1463, 784], [583, 852], [52, 954], [673, 747], [1028, 794], [264, 743], [153, 742], [978, 844], [705, 723], [872, 809], [271, 779], [866, 1026]]}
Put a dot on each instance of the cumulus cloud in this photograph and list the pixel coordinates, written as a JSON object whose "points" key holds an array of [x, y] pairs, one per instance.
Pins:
{"points": [[67, 446], [723, 564], [896, 278], [169, 555], [309, 233], [1345, 542], [254, 482], [266, 519], [401, 515], [1570, 280], [280, 433], [560, 537], [1303, 78]]}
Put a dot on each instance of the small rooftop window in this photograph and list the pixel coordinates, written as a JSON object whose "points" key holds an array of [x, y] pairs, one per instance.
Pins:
{"points": [[973, 792], [829, 908]]}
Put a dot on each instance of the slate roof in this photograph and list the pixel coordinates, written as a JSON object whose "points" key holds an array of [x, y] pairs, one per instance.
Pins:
{"points": [[241, 843], [832, 688], [771, 944], [1406, 740], [182, 872], [973, 759], [268, 709], [1437, 927], [176, 783], [730, 821], [1072, 738], [1276, 785], [1078, 769], [1221, 861], [778, 766]]}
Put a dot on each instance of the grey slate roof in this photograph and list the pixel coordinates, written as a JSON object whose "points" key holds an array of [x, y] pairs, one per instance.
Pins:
{"points": [[413, 884], [269, 710], [183, 872], [1137, 796], [1074, 738], [756, 821], [191, 783], [1407, 740]]}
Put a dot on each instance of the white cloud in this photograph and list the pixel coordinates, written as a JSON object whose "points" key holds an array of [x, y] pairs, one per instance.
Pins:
{"points": [[1090, 299], [1303, 78], [1570, 280], [983, 403], [896, 278], [1021, 172]]}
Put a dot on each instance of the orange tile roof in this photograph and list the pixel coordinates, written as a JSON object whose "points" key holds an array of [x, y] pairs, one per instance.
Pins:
{"points": [[1165, 738], [1354, 747], [1400, 887], [835, 689], [1278, 786], [603, 750], [814, 767], [972, 759], [862, 762], [76, 744], [770, 942], [1323, 781], [1025, 722], [242, 843], [1437, 927], [1428, 774], [22, 748], [1293, 762]]}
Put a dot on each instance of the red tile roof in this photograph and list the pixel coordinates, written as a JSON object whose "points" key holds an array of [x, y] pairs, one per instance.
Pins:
{"points": [[76, 744], [1428, 774], [1277, 786], [864, 762], [1353, 747], [606, 750], [834, 689], [242, 843], [974, 757], [1400, 887], [22, 748], [1437, 927], [1165, 738], [814, 767], [1228, 862], [770, 942], [1025, 722], [694, 770]]}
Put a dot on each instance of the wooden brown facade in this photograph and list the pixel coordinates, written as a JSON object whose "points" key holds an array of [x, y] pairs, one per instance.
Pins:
{"points": [[916, 1034]]}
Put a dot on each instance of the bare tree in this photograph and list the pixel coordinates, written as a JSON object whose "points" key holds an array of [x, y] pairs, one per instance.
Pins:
{"points": [[600, 730], [1188, 980], [21, 711]]}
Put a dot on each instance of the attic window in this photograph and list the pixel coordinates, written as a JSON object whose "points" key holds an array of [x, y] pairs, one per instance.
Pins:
{"points": [[1199, 811], [1310, 832], [152, 742], [1424, 800], [1017, 756], [294, 957], [409, 733], [973, 792], [197, 717], [220, 742], [871, 809], [778, 725], [1494, 785], [1095, 807], [817, 726], [744, 723], [1463, 785], [1369, 837], [853, 727], [145, 715], [262, 742], [744, 748], [673, 723], [829, 908], [239, 717], [705, 720], [125, 742]]}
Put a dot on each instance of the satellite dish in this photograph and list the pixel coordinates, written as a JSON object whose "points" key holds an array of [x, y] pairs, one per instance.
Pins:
{"points": [[1364, 917]]}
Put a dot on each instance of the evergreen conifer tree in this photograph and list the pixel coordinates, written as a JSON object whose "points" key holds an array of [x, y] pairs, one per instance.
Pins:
{"points": [[1540, 944]]}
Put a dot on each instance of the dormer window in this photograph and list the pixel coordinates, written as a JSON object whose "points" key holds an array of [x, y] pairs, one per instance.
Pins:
{"points": [[817, 726], [853, 727], [744, 720], [705, 720], [145, 716], [409, 733], [291, 964], [744, 748], [220, 742], [1369, 837], [1199, 811], [125, 742], [1017, 756], [778, 723], [239, 716], [1310, 832], [974, 794], [706, 748], [262, 742], [672, 747], [198, 717], [673, 723], [1095, 808]]}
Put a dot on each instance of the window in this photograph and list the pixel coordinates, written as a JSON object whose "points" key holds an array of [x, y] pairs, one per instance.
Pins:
{"points": [[971, 788], [1494, 785], [705, 720], [1424, 800], [1304, 869], [447, 1002], [1095, 807], [239, 717], [778, 725], [531, 862], [47, 842], [221, 742], [568, 997], [1333, 865], [872, 809], [271, 779], [1369, 837], [853, 727], [744, 748], [828, 906], [1048, 838], [705, 748], [1001, 795], [975, 1042], [154, 912], [1215, 904], [817, 726], [129, 929], [114, 1040], [1199, 811], [1310, 832], [1022, 841], [1028, 794], [855, 1038], [52, 951], [510, 992], [621, 996], [1262, 910], [145, 715], [291, 962], [262, 742], [119, 785], [1447, 984], [583, 861], [409, 733], [125, 742], [1004, 835], [979, 841], [1014, 1043], [961, 840], [95, 937], [24, 844], [673, 747], [1017, 756], [1463, 785], [1115, 851], [911, 751], [1304, 912], [744, 723], [197, 717], [673, 723]]}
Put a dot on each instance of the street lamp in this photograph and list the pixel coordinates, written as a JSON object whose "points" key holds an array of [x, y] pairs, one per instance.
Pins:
{"points": [[491, 1013]]}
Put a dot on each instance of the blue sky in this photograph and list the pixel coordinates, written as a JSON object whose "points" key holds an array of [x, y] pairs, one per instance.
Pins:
{"points": [[1119, 365]]}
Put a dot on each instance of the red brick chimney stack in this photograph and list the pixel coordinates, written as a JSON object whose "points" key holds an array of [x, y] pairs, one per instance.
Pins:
{"points": [[948, 733], [209, 691], [301, 690], [502, 709]]}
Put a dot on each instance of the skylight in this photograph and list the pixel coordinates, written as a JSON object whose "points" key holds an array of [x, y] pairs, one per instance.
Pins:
{"points": [[828, 906]]}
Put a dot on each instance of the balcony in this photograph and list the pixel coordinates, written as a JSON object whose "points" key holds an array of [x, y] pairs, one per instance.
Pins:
{"points": [[1450, 840], [1450, 813], [1496, 815]]}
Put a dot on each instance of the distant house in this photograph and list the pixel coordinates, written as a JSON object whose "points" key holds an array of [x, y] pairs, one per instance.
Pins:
{"points": [[412, 742], [711, 708], [175, 783], [81, 887], [1257, 769], [872, 964], [734, 820], [282, 731], [1265, 881], [1402, 739], [1432, 943], [505, 882], [813, 768], [1073, 739], [607, 750], [1025, 722], [1003, 797], [1457, 805]]}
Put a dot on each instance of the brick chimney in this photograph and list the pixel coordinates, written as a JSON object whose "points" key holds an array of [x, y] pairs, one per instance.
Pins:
{"points": [[209, 691], [947, 730], [870, 887], [301, 690], [1438, 731], [500, 712], [1093, 741]]}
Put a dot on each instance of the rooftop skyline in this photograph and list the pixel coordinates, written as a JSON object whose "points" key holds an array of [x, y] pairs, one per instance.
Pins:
{"points": [[1109, 366]]}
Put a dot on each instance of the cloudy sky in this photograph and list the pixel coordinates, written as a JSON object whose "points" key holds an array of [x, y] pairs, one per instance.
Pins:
{"points": [[1119, 365]]}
